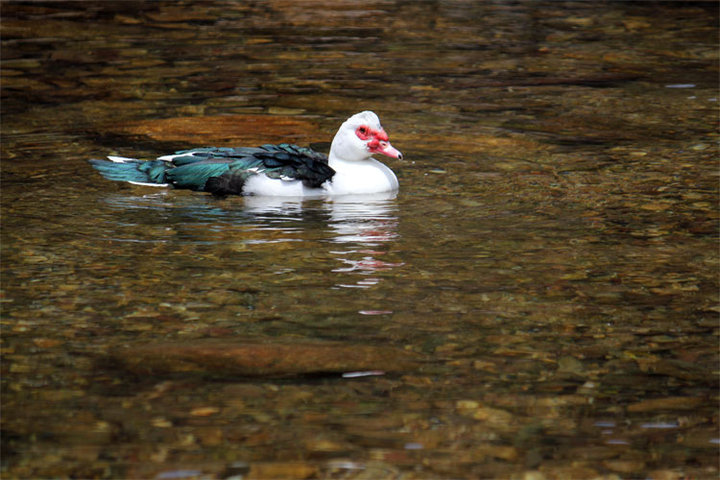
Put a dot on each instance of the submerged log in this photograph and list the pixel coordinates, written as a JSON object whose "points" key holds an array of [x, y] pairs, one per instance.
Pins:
{"points": [[260, 359]]}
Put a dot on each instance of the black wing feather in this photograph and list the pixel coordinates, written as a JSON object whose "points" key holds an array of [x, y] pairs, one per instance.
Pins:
{"points": [[224, 171], [303, 164]]}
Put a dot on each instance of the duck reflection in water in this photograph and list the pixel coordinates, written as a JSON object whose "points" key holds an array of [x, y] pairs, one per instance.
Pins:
{"points": [[357, 228], [360, 222]]}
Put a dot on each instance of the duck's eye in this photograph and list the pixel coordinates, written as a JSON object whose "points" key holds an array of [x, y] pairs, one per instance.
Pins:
{"points": [[363, 132]]}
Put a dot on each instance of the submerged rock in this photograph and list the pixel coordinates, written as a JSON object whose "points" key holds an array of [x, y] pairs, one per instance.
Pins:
{"points": [[259, 359], [248, 130], [667, 403]]}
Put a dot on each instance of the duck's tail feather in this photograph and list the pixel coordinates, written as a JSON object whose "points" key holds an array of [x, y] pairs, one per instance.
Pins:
{"points": [[138, 172]]}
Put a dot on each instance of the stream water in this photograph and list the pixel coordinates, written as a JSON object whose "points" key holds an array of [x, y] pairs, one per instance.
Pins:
{"points": [[551, 257]]}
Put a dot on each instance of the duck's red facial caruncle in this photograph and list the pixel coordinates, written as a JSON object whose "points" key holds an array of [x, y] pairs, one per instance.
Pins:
{"points": [[377, 141]]}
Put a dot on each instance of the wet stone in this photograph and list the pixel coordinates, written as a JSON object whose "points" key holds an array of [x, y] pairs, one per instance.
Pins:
{"points": [[625, 466], [291, 471], [570, 365], [668, 403]]}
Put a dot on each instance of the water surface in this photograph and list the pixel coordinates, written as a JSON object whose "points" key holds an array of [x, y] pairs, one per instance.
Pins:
{"points": [[551, 255]]}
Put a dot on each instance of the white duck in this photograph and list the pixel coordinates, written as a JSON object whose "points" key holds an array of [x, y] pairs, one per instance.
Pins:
{"points": [[274, 170]]}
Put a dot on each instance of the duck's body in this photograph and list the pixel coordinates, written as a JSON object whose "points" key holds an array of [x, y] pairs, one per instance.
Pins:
{"points": [[274, 170]]}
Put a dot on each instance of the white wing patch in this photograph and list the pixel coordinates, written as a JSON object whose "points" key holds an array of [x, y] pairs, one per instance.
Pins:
{"points": [[115, 159], [142, 184], [170, 158]]}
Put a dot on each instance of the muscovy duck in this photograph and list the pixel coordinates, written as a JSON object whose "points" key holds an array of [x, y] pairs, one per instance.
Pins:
{"points": [[275, 170]]}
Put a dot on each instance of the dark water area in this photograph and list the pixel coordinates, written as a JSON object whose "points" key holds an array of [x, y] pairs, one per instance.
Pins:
{"points": [[539, 300]]}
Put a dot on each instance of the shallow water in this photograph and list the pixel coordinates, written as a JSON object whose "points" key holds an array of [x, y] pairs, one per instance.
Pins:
{"points": [[551, 256]]}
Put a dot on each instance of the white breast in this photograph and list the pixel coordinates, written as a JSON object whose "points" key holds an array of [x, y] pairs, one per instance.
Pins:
{"points": [[367, 176]]}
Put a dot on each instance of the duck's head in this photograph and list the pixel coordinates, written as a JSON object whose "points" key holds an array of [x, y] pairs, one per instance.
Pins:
{"points": [[360, 137]]}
